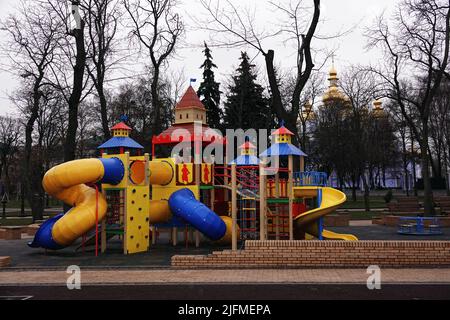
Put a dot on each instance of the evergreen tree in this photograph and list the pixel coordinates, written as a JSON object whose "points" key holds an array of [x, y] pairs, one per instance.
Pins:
{"points": [[209, 92], [246, 107]]}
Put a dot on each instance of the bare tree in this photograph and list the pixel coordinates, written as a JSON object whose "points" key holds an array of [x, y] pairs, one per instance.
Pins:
{"points": [[309, 98], [86, 146], [440, 130], [49, 137], [230, 21], [133, 99], [10, 140], [360, 88], [32, 39], [102, 22], [419, 43], [73, 57], [157, 27], [402, 129], [78, 83]]}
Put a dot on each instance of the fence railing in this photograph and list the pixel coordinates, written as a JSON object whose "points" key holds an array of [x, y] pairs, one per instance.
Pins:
{"points": [[310, 178]]}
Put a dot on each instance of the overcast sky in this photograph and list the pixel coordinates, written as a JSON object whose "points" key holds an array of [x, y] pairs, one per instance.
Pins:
{"points": [[336, 15]]}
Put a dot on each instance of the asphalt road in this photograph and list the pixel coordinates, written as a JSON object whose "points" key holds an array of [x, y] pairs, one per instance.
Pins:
{"points": [[229, 291]]}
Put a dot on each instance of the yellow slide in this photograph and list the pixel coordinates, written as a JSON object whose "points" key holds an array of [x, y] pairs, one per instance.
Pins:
{"points": [[68, 183], [331, 200]]}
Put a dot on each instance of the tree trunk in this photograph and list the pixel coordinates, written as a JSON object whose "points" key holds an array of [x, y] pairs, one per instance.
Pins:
{"points": [[447, 185], [27, 181], [75, 97], [156, 121], [103, 111], [303, 142], [427, 191], [434, 167], [405, 166], [366, 193], [413, 163], [354, 186], [277, 104], [416, 193]]}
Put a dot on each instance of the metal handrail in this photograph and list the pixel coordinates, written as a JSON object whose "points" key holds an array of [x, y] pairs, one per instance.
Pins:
{"points": [[310, 178]]}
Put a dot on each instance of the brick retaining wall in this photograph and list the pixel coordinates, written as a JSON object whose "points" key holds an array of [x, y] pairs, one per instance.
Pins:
{"points": [[11, 233], [327, 254], [337, 220], [5, 261]]}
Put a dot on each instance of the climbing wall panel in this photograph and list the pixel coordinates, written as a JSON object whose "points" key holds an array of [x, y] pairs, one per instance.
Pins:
{"points": [[137, 220]]}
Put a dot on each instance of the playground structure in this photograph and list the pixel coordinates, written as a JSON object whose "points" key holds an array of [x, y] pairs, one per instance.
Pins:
{"points": [[126, 194]]}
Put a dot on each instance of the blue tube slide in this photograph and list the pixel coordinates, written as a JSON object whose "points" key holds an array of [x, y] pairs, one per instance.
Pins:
{"points": [[184, 205], [43, 237]]}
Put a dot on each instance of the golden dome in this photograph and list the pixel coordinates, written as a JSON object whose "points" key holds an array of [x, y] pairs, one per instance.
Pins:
{"points": [[378, 109], [333, 73], [333, 92], [377, 104]]}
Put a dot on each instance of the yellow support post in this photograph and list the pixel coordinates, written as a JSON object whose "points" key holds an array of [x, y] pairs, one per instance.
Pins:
{"points": [[302, 164], [233, 207], [136, 217], [225, 175]]}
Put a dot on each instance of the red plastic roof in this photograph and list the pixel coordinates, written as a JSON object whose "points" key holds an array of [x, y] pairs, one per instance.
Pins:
{"points": [[169, 135], [190, 99], [247, 145], [282, 130], [121, 125]]}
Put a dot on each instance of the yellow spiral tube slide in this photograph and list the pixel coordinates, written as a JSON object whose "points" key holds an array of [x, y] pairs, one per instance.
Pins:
{"points": [[67, 182]]}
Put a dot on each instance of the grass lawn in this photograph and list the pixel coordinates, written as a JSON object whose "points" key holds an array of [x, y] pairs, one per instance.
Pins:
{"points": [[16, 222], [363, 215], [13, 203], [375, 202]]}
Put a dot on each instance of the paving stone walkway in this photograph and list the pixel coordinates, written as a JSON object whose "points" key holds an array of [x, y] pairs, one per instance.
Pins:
{"points": [[283, 276]]}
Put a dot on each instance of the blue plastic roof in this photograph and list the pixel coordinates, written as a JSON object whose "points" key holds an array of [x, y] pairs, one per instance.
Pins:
{"points": [[117, 142], [246, 160], [283, 149]]}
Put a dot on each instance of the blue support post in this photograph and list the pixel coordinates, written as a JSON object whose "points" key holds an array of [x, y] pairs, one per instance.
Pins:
{"points": [[320, 221]]}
